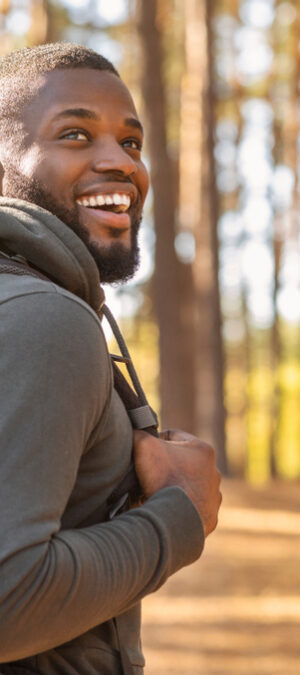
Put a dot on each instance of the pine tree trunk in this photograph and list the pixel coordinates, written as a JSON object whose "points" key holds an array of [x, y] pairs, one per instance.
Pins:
{"points": [[172, 284], [210, 412]]}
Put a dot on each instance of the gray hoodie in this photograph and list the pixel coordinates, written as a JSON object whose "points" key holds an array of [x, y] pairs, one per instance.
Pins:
{"points": [[65, 443]]}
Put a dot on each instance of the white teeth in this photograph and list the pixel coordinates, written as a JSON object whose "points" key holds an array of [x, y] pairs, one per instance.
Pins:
{"points": [[100, 200], [116, 199]]}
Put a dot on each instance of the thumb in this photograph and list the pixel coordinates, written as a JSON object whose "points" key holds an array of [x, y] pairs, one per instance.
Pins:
{"points": [[177, 435]]}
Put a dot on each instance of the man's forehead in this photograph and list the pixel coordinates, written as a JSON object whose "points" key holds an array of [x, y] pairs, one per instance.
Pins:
{"points": [[80, 88]]}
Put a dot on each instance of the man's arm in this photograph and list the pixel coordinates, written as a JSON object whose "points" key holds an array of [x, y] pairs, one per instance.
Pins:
{"points": [[56, 584]]}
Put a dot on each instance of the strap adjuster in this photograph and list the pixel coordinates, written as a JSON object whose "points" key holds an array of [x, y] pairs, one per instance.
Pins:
{"points": [[120, 359], [142, 417]]}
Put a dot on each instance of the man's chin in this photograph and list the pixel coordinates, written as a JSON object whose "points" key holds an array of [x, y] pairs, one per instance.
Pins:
{"points": [[116, 257], [116, 263]]}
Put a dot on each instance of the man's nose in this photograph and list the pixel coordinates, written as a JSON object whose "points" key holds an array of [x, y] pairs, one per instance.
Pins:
{"points": [[111, 156]]}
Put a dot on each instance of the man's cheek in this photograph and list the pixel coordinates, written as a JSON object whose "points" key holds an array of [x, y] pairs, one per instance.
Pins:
{"points": [[31, 162]]}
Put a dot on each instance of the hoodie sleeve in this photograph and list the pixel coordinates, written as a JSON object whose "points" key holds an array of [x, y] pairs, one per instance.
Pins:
{"points": [[56, 583]]}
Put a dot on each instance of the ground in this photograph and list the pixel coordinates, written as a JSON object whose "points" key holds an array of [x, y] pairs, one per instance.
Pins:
{"points": [[237, 610]]}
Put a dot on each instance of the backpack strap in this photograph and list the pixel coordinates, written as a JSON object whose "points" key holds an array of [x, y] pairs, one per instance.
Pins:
{"points": [[13, 265], [141, 415]]}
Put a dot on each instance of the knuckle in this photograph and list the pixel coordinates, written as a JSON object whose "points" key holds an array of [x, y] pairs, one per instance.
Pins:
{"points": [[207, 448]]}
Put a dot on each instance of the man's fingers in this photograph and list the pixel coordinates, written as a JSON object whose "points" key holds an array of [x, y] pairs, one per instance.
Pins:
{"points": [[179, 458], [177, 435]]}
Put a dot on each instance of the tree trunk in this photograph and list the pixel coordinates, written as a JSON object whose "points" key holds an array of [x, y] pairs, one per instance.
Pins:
{"points": [[210, 412], [172, 284], [186, 297]]}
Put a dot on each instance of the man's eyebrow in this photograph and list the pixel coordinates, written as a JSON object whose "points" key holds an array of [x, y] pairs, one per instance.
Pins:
{"points": [[78, 112], [85, 113], [134, 123]]}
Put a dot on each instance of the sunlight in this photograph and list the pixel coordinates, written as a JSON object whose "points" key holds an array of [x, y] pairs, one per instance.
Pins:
{"points": [[286, 13], [257, 112], [254, 162], [261, 308], [259, 520], [207, 609], [230, 267], [289, 274], [288, 303], [113, 12], [18, 21], [255, 55], [185, 246], [283, 182], [257, 215], [230, 226], [257, 265], [225, 152], [258, 13]]}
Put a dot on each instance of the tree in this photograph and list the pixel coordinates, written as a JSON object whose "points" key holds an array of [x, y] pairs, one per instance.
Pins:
{"points": [[171, 283], [198, 147], [186, 296]]}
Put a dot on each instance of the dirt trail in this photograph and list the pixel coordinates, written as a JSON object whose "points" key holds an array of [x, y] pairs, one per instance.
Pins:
{"points": [[237, 610]]}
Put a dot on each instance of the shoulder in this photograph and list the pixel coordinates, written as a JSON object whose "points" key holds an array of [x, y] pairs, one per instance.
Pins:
{"points": [[30, 294], [39, 319]]}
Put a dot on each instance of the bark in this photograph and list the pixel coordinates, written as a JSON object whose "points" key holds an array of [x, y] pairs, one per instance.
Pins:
{"points": [[210, 409], [172, 284]]}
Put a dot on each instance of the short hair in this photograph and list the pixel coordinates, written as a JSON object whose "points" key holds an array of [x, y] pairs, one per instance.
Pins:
{"points": [[18, 71]]}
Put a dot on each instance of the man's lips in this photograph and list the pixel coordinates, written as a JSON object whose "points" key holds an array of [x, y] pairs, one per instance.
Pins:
{"points": [[99, 217], [126, 191], [107, 205]]}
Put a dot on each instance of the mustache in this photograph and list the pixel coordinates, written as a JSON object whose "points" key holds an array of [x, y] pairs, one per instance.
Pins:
{"points": [[109, 177]]}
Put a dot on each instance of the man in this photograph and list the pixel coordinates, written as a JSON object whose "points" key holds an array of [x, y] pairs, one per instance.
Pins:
{"points": [[73, 189]]}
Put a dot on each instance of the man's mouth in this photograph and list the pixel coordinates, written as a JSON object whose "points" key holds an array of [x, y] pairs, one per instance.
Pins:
{"points": [[115, 202], [107, 210]]}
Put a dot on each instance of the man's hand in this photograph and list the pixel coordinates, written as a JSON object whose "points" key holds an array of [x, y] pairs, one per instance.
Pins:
{"points": [[178, 458]]}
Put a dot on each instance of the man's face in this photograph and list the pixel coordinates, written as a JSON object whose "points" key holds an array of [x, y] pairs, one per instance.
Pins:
{"points": [[80, 158]]}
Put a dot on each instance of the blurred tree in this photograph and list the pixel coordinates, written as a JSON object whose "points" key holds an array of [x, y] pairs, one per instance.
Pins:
{"points": [[171, 285], [5, 6], [39, 15], [186, 296], [198, 177]]}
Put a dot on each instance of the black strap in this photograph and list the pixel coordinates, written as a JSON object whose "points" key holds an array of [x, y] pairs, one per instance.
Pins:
{"points": [[12, 669], [127, 667]]}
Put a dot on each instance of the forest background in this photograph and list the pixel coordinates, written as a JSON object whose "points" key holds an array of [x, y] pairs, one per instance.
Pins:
{"points": [[215, 331], [213, 316]]}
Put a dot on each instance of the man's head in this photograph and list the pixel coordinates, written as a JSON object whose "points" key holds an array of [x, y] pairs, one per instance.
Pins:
{"points": [[70, 141]]}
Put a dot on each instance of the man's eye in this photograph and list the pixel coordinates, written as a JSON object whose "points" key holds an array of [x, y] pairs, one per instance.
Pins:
{"points": [[75, 135], [132, 143]]}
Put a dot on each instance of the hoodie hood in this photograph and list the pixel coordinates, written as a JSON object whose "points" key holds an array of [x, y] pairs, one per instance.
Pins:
{"points": [[51, 246]]}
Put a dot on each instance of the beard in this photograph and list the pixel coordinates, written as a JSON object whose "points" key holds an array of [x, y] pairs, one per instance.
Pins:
{"points": [[115, 263]]}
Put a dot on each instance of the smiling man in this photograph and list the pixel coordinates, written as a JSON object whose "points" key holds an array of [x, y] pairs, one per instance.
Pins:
{"points": [[73, 189], [81, 160]]}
